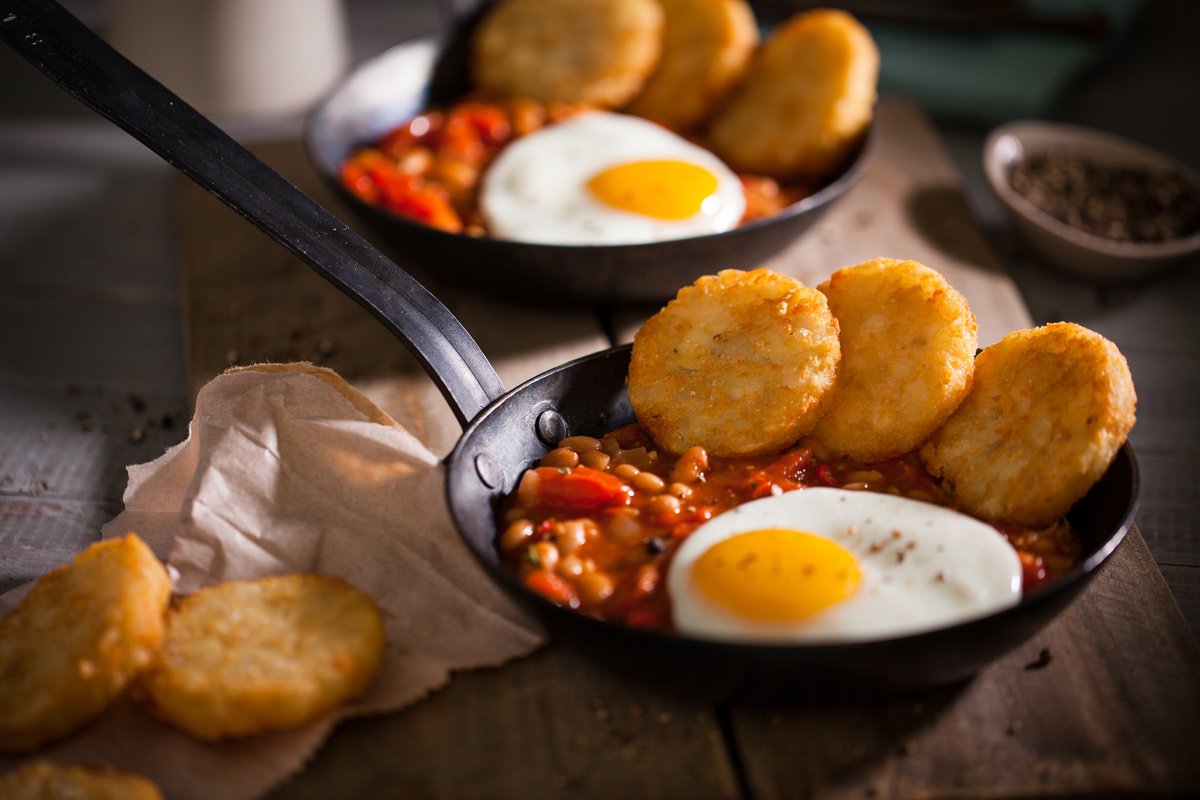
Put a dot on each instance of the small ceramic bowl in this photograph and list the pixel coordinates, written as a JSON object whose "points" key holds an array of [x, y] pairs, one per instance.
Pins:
{"points": [[1075, 251]]}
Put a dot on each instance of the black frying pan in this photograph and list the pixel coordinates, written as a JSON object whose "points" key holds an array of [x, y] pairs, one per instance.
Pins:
{"points": [[393, 87], [507, 432]]}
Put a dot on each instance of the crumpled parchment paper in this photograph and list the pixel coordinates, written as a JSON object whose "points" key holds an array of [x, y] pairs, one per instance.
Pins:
{"points": [[287, 468]]}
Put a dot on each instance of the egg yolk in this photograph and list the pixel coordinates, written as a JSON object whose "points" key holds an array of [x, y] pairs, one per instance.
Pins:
{"points": [[659, 189], [776, 575]]}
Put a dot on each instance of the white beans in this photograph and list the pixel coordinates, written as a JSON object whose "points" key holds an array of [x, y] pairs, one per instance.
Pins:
{"points": [[648, 482], [664, 504], [680, 490], [594, 587], [595, 460], [516, 534], [547, 554], [562, 457], [690, 466], [625, 471], [580, 444]]}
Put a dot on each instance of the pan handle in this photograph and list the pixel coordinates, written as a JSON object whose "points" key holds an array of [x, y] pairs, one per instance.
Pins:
{"points": [[98, 76]]}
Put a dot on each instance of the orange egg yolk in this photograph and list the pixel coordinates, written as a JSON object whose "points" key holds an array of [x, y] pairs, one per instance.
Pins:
{"points": [[776, 575], [659, 189]]}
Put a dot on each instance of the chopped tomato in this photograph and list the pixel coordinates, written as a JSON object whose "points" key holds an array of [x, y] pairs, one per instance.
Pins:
{"points": [[1033, 569], [827, 476], [553, 588], [492, 124], [420, 129], [581, 488], [357, 180], [787, 473], [632, 593]]}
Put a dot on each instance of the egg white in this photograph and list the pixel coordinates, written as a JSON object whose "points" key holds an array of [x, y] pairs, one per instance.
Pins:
{"points": [[536, 190], [955, 569]]}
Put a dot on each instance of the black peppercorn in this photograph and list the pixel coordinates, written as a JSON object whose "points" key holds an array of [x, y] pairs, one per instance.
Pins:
{"points": [[1125, 204]]}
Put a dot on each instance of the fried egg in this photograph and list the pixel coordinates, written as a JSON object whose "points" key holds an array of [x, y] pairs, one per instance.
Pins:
{"points": [[604, 178], [833, 566]]}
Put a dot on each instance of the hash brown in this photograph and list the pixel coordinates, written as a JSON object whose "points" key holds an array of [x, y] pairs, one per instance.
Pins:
{"points": [[250, 656], [707, 45], [732, 343], [1045, 417], [43, 780], [568, 51], [77, 639], [805, 102], [908, 353]]}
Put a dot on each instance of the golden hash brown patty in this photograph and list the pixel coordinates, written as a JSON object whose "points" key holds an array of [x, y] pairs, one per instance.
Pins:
{"points": [[806, 100], [737, 363], [42, 780], [568, 51], [250, 656], [908, 353], [707, 45], [77, 639], [1045, 417]]}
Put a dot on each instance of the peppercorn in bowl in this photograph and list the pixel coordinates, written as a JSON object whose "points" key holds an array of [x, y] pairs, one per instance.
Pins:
{"points": [[1097, 206]]}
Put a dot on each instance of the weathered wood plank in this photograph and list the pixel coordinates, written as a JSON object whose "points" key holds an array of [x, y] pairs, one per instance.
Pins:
{"points": [[38, 534], [1115, 711], [1185, 588], [247, 300], [551, 725]]}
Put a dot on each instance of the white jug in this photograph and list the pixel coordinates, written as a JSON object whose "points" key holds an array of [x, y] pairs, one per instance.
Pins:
{"points": [[246, 58]]}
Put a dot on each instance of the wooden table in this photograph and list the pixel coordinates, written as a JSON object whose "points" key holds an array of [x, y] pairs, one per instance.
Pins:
{"points": [[92, 378]]}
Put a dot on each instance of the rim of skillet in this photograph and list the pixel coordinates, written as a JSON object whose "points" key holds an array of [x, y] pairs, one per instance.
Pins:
{"points": [[1093, 559]]}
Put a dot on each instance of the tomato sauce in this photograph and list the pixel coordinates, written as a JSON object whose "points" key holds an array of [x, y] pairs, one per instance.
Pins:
{"points": [[428, 169], [595, 525]]}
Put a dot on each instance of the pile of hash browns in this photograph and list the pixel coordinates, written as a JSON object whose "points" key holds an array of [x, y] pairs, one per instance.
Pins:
{"points": [[231, 660], [878, 362], [793, 107]]}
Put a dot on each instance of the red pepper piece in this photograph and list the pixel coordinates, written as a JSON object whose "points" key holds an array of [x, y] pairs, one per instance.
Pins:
{"points": [[460, 137], [357, 180], [827, 476], [1033, 570], [492, 124], [410, 196], [421, 128], [553, 588], [786, 472], [633, 592], [581, 488]]}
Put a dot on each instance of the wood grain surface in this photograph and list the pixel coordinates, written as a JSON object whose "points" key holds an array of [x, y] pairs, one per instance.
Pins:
{"points": [[1112, 708]]}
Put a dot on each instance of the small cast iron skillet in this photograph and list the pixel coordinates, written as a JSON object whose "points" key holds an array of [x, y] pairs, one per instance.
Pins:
{"points": [[507, 432], [395, 86]]}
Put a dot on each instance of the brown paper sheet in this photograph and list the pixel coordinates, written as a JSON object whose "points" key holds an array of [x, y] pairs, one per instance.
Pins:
{"points": [[291, 470]]}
